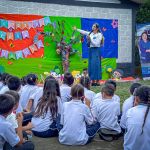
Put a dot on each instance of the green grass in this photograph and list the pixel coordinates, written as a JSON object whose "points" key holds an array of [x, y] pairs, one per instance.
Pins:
{"points": [[123, 89]]}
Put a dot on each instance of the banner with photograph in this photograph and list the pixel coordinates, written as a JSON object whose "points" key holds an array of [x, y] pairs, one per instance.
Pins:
{"points": [[143, 38]]}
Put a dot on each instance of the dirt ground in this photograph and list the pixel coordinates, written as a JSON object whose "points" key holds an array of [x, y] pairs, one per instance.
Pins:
{"points": [[96, 144]]}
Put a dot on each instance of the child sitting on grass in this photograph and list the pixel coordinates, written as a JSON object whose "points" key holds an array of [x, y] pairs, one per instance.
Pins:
{"points": [[8, 137]]}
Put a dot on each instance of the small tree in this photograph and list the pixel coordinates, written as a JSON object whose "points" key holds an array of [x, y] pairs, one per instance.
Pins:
{"points": [[143, 13]]}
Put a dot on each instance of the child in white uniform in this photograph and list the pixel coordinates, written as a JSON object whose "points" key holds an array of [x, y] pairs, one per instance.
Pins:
{"points": [[8, 137], [106, 111], [5, 77], [65, 88], [115, 97], [137, 136], [85, 82], [74, 118], [48, 111], [128, 103], [28, 89]]}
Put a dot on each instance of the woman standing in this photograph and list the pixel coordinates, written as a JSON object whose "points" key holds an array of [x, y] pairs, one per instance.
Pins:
{"points": [[94, 41]]}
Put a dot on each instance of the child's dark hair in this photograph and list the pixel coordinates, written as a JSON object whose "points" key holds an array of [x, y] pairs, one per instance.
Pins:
{"points": [[14, 94], [23, 80], [143, 92], [77, 91], [111, 82], [85, 82], [133, 87], [108, 89], [4, 75], [31, 79], [14, 83], [48, 101], [0, 77], [68, 79], [6, 103]]}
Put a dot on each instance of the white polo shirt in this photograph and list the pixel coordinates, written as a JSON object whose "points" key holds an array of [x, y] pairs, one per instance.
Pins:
{"points": [[128, 103], [41, 123], [107, 112], [74, 118], [65, 91], [133, 139], [7, 133]]}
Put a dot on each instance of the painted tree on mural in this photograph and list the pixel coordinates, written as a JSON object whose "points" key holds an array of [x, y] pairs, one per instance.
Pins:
{"points": [[64, 42]]}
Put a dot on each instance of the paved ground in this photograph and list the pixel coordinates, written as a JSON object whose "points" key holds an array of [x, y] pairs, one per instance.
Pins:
{"points": [[96, 144]]}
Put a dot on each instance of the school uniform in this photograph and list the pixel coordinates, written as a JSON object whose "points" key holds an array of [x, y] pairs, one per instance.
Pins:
{"points": [[12, 119], [1, 85], [133, 139], [74, 117], [36, 97], [98, 97], [4, 89], [42, 125], [89, 95], [65, 91], [26, 92], [128, 103], [7, 133], [106, 111]]}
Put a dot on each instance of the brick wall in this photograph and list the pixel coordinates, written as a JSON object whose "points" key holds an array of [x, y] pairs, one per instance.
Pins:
{"points": [[124, 17]]}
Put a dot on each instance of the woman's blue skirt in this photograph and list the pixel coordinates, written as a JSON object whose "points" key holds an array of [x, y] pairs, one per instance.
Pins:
{"points": [[94, 63]]}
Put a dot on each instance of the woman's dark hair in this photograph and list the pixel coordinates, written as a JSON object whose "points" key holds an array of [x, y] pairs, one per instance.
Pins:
{"points": [[23, 80], [85, 82], [14, 94], [68, 79], [142, 35], [133, 87], [31, 79], [48, 101], [143, 92], [111, 82], [108, 89], [77, 91], [97, 26], [6, 103], [14, 83]]}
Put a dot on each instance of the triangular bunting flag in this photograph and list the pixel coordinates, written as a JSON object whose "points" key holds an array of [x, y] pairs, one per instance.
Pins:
{"points": [[47, 20], [19, 54], [36, 23], [26, 52], [2, 35], [11, 24], [18, 36], [11, 55], [41, 22], [25, 25], [39, 44], [18, 25], [10, 36], [3, 23], [25, 34], [33, 48], [4, 53]]}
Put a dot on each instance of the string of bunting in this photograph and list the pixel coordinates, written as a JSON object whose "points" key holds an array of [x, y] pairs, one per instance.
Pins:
{"points": [[22, 53], [14, 36], [12, 25]]}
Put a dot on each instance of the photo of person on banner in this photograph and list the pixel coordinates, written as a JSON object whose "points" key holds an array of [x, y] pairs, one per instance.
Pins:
{"points": [[94, 42], [144, 48]]}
